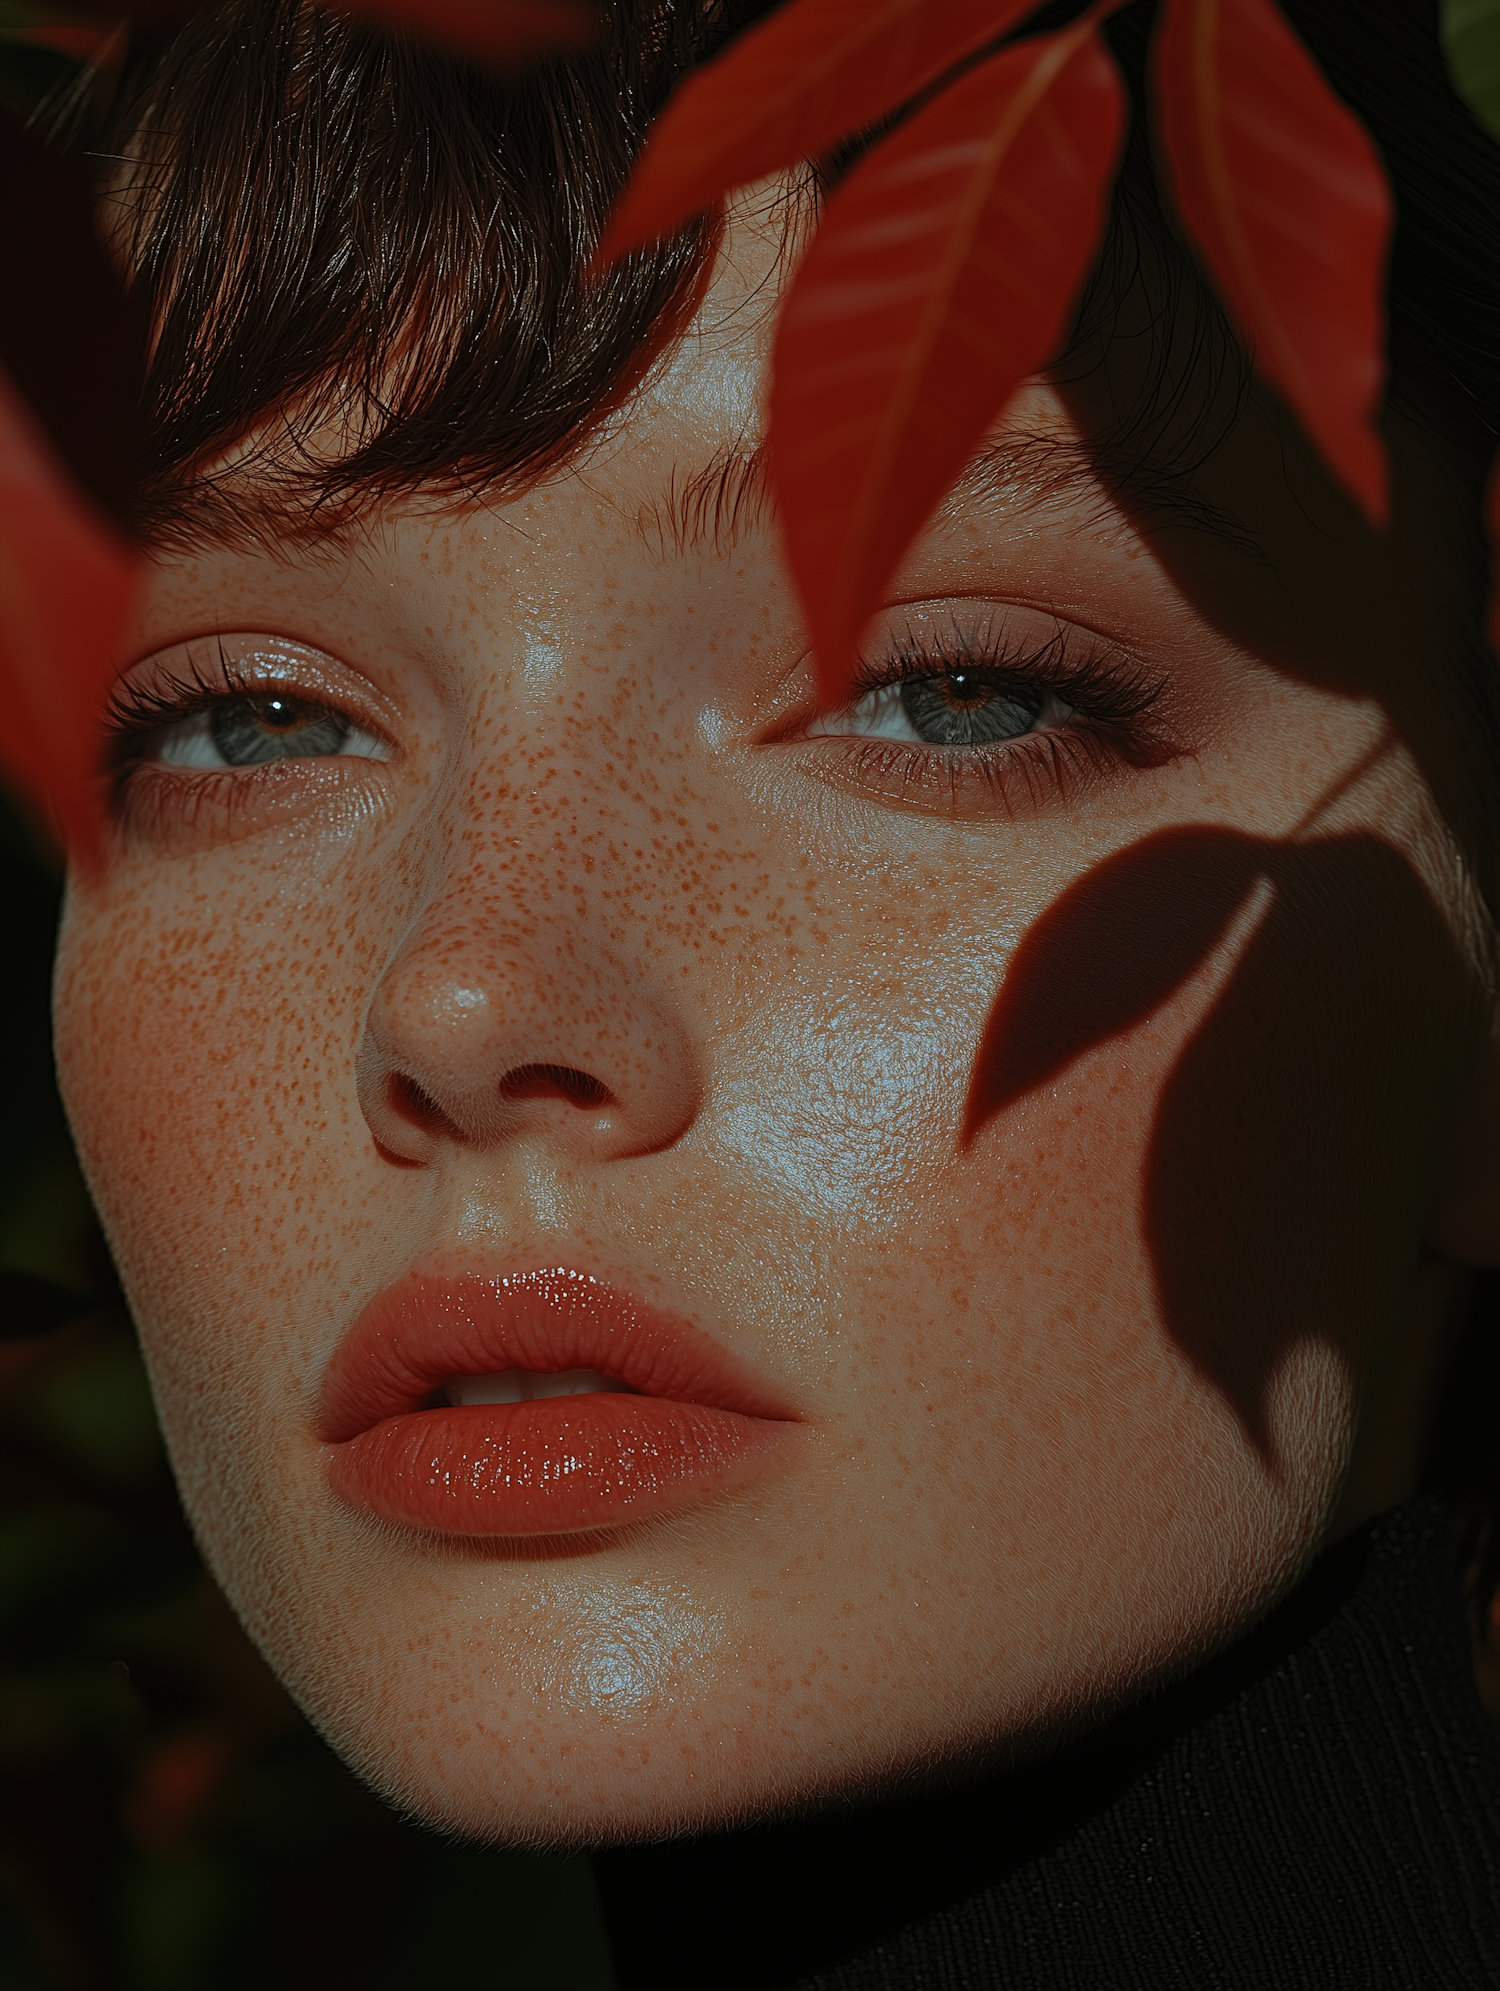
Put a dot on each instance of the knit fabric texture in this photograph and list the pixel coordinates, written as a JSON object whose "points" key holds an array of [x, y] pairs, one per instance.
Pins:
{"points": [[1319, 1806]]}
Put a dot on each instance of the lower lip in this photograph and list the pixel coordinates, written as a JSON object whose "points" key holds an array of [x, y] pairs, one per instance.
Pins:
{"points": [[559, 1466]]}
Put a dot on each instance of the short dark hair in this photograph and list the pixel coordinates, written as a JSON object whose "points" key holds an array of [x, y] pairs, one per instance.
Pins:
{"points": [[339, 229]]}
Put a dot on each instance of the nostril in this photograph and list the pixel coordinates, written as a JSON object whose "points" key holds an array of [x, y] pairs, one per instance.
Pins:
{"points": [[408, 1099], [556, 1082]]}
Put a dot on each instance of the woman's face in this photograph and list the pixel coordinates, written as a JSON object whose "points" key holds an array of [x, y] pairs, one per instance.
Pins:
{"points": [[1001, 1120]]}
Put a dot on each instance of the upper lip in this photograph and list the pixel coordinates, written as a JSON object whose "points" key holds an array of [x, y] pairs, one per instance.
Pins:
{"points": [[428, 1327]]}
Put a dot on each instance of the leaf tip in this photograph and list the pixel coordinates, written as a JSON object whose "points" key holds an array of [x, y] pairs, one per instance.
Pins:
{"points": [[1365, 473], [835, 657], [614, 243]]}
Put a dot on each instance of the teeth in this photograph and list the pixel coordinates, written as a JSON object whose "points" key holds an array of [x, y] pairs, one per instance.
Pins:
{"points": [[526, 1385]]}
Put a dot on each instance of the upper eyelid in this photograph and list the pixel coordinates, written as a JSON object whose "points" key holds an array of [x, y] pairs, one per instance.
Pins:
{"points": [[910, 665], [189, 676], [1025, 635], [979, 610], [1075, 663], [989, 639]]}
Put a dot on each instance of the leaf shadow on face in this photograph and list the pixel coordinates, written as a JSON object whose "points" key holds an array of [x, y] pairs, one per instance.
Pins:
{"points": [[1296, 1136]]}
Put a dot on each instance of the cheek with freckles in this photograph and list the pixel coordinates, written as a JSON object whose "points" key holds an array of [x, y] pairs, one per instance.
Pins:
{"points": [[216, 1119]]}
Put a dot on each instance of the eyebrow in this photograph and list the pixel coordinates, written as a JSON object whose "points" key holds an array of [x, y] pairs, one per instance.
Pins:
{"points": [[1145, 491], [708, 510]]}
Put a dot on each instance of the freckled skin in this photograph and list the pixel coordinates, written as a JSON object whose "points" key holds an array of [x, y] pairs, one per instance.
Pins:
{"points": [[1022, 1490]]}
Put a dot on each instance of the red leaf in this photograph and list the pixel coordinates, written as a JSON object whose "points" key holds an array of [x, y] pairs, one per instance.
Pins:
{"points": [[66, 586], [789, 89], [71, 341], [498, 30], [944, 273], [1284, 194]]}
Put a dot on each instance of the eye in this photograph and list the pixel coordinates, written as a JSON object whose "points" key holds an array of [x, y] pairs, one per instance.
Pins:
{"points": [[989, 712], [257, 727], [967, 706]]}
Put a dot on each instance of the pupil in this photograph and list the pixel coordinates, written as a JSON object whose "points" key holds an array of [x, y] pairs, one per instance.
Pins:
{"points": [[966, 709], [963, 692]]}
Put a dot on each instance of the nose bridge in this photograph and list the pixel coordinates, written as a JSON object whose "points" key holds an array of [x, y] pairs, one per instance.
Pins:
{"points": [[525, 995]]}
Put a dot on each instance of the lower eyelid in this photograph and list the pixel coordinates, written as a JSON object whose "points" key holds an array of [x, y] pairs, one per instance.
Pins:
{"points": [[1007, 778]]}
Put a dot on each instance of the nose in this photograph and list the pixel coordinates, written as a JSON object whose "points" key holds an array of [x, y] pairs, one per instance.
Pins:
{"points": [[482, 1031]]}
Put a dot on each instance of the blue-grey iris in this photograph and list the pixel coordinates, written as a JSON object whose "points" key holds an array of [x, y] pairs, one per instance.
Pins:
{"points": [[967, 709], [269, 727]]}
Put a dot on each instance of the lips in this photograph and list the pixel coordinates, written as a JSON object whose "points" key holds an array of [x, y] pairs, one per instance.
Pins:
{"points": [[674, 1420]]}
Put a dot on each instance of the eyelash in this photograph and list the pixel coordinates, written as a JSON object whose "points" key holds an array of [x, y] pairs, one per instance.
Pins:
{"points": [[136, 713], [1111, 699]]}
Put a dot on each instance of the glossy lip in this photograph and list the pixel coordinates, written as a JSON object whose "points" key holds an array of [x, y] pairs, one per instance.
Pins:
{"points": [[699, 1423]]}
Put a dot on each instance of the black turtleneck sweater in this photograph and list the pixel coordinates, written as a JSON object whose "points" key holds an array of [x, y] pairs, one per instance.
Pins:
{"points": [[1318, 1806]]}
